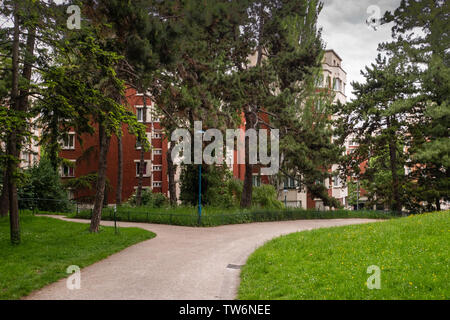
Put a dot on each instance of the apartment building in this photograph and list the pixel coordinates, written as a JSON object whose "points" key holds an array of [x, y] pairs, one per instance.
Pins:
{"points": [[85, 155]]}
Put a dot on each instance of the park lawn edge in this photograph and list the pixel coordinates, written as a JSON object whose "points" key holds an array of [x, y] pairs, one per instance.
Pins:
{"points": [[411, 252], [39, 260]]}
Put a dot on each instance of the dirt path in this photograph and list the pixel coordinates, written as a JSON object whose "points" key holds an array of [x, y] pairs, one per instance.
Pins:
{"points": [[180, 263]]}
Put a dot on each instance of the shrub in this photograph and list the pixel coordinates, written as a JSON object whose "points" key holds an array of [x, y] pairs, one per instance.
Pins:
{"points": [[265, 196], [149, 199], [42, 188]]}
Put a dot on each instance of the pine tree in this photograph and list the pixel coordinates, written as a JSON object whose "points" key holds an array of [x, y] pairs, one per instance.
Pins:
{"points": [[380, 119], [428, 49]]}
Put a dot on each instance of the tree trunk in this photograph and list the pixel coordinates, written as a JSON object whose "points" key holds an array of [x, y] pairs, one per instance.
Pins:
{"points": [[438, 204], [142, 159], [119, 171], [171, 169], [247, 191], [250, 123], [101, 179], [4, 200], [12, 139], [53, 152], [397, 205]]}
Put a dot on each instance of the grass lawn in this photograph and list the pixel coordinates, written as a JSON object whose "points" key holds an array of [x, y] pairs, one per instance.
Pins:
{"points": [[49, 246], [412, 253]]}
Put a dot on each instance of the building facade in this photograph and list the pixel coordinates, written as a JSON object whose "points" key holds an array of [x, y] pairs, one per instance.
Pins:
{"points": [[84, 155]]}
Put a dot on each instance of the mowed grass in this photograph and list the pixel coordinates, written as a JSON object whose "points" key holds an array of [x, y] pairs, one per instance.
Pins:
{"points": [[412, 253], [49, 246]]}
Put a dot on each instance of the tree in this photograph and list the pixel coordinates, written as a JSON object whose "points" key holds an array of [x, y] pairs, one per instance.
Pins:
{"points": [[192, 86], [279, 92], [21, 66], [428, 50], [380, 118]]}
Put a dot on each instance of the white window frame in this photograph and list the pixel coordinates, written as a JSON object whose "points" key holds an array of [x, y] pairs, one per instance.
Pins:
{"points": [[256, 180], [157, 166], [147, 162], [159, 184], [157, 135], [159, 152], [62, 170], [139, 109], [149, 139], [68, 146]]}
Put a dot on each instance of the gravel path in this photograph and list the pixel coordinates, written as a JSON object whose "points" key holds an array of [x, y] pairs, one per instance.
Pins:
{"points": [[180, 263]]}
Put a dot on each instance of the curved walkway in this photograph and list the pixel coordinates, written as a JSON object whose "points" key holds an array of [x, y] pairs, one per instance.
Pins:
{"points": [[180, 263]]}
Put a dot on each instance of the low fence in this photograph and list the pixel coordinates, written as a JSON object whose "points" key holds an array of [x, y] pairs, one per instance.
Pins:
{"points": [[172, 217], [216, 219], [38, 205]]}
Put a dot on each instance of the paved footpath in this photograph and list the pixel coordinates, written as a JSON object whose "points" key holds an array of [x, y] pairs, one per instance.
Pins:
{"points": [[180, 263]]}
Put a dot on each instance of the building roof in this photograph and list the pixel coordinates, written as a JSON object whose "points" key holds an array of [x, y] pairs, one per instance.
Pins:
{"points": [[334, 52]]}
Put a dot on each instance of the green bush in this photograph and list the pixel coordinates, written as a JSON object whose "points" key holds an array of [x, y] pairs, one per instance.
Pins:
{"points": [[41, 188], [265, 196], [215, 181], [149, 199]]}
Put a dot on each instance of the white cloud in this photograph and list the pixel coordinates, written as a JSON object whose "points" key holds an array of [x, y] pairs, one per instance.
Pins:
{"points": [[345, 31]]}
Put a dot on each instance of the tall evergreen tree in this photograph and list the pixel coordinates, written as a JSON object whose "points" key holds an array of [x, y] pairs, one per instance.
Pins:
{"points": [[380, 117], [427, 49]]}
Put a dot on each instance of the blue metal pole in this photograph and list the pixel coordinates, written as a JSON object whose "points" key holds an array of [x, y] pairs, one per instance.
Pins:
{"points": [[199, 193]]}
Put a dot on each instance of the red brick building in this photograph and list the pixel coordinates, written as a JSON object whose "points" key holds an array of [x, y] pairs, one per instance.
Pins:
{"points": [[85, 155]]}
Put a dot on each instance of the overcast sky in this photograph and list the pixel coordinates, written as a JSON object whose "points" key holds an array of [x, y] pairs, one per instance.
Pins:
{"points": [[345, 30]]}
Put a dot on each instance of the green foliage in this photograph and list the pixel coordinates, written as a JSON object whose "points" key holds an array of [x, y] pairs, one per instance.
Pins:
{"points": [[42, 188], [427, 49], [265, 196], [150, 199], [215, 190]]}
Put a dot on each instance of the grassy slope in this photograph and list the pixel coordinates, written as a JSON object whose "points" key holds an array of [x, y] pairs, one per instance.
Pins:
{"points": [[412, 252], [49, 246]]}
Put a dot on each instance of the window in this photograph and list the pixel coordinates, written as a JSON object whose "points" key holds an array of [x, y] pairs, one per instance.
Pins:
{"points": [[138, 167], [256, 181], [157, 184], [157, 135], [157, 168], [336, 181], [289, 183], [138, 144], [70, 194], [157, 152], [68, 142], [140, 114], [337, 84], [67, 171]]}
